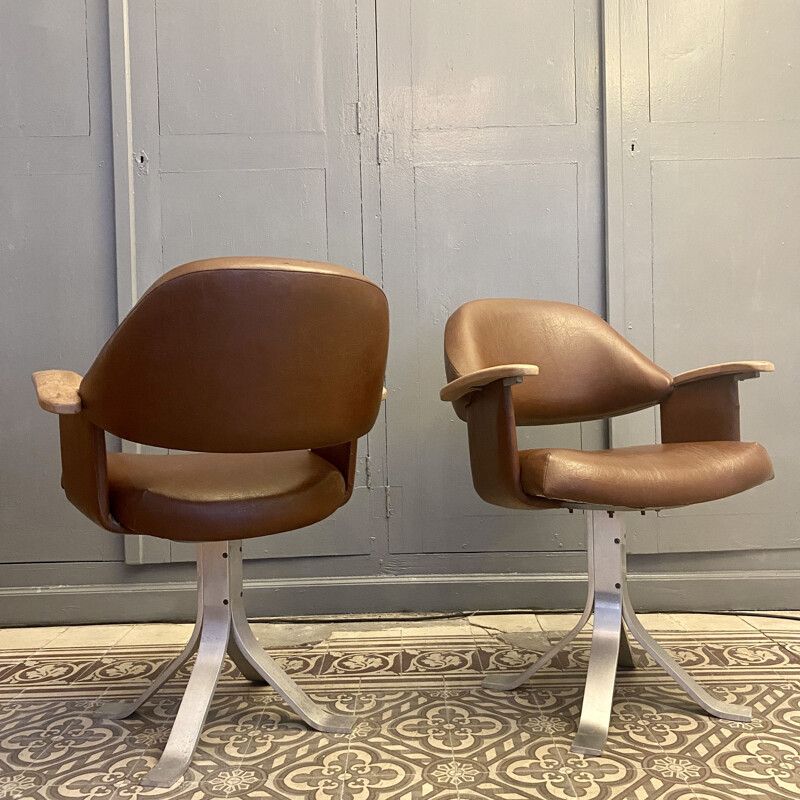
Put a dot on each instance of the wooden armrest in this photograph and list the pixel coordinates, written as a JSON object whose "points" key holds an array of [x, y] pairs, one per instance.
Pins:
{"points": [[57, 390], [741, 369], [514, 373]]}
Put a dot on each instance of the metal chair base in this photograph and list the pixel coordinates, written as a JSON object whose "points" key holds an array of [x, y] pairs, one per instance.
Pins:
{"points": [[608, 599], [221, 628]]}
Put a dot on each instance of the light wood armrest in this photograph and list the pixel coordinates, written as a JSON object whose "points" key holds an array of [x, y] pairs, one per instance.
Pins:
{"points": [[514, 373], [57, 390], [742, 369]]}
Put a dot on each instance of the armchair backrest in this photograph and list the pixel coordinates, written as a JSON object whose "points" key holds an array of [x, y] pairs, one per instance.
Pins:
{"points": [[586, 369], [244, 355]]}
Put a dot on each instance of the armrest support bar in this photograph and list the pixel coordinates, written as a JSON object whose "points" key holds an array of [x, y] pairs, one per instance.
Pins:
{"points": [[475, 381], [704, 404], [57, 391], [741, 370], [493, 453]]}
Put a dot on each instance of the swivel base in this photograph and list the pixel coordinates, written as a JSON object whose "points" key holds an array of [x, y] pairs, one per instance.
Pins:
{"points": [[608, 598], [221, 628]]}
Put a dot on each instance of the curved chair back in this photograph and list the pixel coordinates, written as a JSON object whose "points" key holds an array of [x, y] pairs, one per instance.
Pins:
{"points": [[244, 355], [586, 369]]}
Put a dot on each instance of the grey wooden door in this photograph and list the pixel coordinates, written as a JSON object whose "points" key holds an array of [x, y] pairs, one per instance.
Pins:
{"points": [[241, 118], [491, 186], [56, 245], [708, 199]]}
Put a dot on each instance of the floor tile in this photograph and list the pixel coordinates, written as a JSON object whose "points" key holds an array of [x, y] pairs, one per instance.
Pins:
{"points": [[661, 622], [424, 726], [28, 638], [773, 623], [90, 636], [506, 623], [157, 634], [711, 622], [559, 622]]}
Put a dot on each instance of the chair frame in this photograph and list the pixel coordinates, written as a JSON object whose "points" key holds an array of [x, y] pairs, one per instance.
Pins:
{"points": [[608, 598], [221, 628]]}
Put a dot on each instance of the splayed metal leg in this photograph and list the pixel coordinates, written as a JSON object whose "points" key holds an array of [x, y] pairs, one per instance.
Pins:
{"points": [[245, 644], [610, 649], [221, 627]]}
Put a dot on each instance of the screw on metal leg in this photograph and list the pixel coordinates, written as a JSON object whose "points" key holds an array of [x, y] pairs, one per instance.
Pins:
{"points": [[196, 700], [599, 692]]}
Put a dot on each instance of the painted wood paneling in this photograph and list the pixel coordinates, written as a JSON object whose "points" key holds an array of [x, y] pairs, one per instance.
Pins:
{"points": [[56, 247], [242, 144], [44, 42], [490, 186], [710, 185], [724, 60], [242, 66], [472, 69]]}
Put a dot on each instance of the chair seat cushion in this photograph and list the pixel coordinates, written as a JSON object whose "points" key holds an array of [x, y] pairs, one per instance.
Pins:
{"points": [[204, 497], [652, 476]]}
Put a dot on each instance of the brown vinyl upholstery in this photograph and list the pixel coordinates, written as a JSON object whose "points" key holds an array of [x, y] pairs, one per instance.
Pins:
{"points": [[648, 476], [207, 496], [268, 369], [586, 370]]}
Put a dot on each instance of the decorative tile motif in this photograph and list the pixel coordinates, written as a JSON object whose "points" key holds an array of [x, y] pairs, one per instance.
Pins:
{"points": [[425, 728]]}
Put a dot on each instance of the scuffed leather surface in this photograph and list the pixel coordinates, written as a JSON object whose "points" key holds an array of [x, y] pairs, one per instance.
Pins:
{"points": [[244, 355], [651, 476], [494, 457], [231, 356], [217, 496], [83, 469], [705, 410], [586, 369]]}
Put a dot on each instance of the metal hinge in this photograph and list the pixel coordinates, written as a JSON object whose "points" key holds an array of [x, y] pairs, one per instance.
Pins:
{"points": [[385, 148], [394, 501]]}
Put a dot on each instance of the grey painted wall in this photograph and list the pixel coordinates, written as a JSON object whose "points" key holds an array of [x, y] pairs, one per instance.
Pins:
{"points": [[449, 150]]}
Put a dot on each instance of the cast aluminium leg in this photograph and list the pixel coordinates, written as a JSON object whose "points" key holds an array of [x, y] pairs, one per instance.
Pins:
{"points": [[214, 632], [599, 692], [706, 701], [608, 596], [221, 626], [246, 651], [123, 710], [505, 683]]}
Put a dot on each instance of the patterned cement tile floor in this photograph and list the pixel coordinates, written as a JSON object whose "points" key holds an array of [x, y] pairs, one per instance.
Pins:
{"points": [[425, 729]]}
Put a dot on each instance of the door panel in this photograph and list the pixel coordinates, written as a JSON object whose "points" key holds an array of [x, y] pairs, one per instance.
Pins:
{"points": [[57, 245], [490, 187], [244, 142], [710, 176]]}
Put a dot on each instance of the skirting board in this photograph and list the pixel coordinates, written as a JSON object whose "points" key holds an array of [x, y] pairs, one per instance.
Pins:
{"points": [[175, 602]]}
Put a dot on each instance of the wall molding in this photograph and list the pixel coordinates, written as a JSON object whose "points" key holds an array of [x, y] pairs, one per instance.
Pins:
{"points": [[175, 601]]}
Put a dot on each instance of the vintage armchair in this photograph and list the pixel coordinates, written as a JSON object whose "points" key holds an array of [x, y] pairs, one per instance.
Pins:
{"points": [[269, 370], [531, 362]]}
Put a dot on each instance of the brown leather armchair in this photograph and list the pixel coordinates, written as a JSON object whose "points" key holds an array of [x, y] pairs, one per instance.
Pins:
{"points": [[269, 370], [530, 362]]}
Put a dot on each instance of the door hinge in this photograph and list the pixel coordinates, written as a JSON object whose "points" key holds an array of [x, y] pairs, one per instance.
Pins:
{"points": [[385, 148], [394, 501]]}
